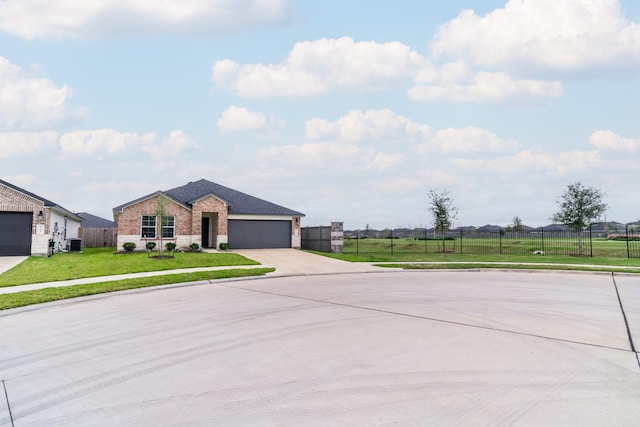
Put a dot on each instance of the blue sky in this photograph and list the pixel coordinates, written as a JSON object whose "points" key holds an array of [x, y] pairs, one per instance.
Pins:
{"points": [[346, 111]]}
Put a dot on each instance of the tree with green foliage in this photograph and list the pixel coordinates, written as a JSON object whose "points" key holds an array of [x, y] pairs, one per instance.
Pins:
{"points": [[579, 207], [443, 212], [161, 220], [516, 224]]}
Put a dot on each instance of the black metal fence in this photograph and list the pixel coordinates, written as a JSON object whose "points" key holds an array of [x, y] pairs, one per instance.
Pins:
{"points": [[539, 241]]}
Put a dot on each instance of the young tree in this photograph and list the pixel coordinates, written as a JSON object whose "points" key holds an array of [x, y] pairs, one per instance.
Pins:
{"points": [[516, 224], [161, 220], [443, 212], [579, 207]]}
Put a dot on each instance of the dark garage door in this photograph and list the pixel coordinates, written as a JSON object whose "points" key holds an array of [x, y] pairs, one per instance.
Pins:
{"points": [[253, 234], [15, 233]]}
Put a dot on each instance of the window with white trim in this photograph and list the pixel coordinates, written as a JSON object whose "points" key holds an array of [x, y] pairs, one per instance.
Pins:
{"points": [[169, 227], [148, 226]]}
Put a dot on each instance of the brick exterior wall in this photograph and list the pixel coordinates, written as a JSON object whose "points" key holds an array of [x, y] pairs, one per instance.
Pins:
{"points": [[210, 204], [188, 223], [130, 223]]}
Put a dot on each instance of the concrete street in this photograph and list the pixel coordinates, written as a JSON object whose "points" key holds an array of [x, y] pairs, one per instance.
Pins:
{"points": [[407, 348]]}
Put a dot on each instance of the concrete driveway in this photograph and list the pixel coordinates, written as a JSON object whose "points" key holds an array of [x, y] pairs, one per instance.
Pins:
{"points": [[395, 348], [296, 262], [8, 262]]}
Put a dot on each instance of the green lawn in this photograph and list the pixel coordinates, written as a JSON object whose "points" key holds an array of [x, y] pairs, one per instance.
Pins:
{"points": [[516, 246], [95, 262], [20, 299]]}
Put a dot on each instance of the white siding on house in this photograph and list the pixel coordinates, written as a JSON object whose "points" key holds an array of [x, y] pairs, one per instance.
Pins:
{"points": [[62, 227]]}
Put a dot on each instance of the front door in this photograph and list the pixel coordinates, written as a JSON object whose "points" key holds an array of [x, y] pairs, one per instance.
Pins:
{"points": [[205, 232]]}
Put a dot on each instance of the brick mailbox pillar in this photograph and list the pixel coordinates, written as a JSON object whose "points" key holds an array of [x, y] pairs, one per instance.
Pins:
{"points": [[337, 237]]}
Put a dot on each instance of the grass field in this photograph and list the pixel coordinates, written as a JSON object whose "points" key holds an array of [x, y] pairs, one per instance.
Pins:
{"points": [[98, 262], [21, 299], [95, 262], [598, 248]]}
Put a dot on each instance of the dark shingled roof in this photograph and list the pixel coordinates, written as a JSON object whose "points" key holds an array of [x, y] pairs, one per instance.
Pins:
{"points": [[238, 202], [92, 221]]}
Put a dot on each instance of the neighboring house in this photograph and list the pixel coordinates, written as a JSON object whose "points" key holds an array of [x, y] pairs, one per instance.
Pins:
{"points": [[97, 232], [28, 222], [208, 214]]}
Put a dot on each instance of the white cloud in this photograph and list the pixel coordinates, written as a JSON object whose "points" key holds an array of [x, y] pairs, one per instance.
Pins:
{"points": [[313, 155], [22, 180], [372, 125], [30, 102], [327, 157], [385, 161], [44, 19], [529, 35], [484, 86], [607, 140], [527, 161], [13, 144], [176, 143], [421, 181], [467, 140], [238, 119], [101, 141], [118, 187], [315, 67]]}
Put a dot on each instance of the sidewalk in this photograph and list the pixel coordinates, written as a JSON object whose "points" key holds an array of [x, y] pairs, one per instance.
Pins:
{"points": [[86, 280], [287, 262]]}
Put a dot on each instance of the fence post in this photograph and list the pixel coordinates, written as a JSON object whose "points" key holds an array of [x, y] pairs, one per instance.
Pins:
{"points": [[626, 231], [543, 253], [391, 235], [425, 240], [337, 237], [357, 242], [500, 239], [590, 243]]}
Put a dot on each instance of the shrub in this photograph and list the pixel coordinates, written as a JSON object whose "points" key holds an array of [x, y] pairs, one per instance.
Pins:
{"points": [[223, 246], [150, 246], [129, 246], [194, 247], [171, 246]]}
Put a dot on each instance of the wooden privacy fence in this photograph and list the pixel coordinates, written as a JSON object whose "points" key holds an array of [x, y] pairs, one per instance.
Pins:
{"points": [[317, 238], [98, 237], [324, 238]]}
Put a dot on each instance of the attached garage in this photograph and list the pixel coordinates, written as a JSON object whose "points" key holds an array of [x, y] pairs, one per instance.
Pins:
{"points": [[29, 222], [259, 234], [15, 233]]}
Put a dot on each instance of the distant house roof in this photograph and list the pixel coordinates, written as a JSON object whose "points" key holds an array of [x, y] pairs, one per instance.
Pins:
{"points": [[238, 202], [46, 203], [489, 228], [553, 227], [92, 221]]}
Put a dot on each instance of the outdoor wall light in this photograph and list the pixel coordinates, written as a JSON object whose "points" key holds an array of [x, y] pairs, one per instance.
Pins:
{"points": [[40, 216]]}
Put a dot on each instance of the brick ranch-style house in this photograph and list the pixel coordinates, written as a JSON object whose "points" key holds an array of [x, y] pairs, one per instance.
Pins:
{"points": [[208, 214], [29, 222]]}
